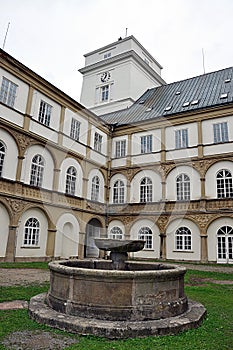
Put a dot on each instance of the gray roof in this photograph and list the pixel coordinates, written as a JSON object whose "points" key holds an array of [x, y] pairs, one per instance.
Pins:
{"points": [[204, 91]]}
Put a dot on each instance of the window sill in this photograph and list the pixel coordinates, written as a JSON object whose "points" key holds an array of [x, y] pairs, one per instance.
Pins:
{"points": [[30, 247], [183, 251]]}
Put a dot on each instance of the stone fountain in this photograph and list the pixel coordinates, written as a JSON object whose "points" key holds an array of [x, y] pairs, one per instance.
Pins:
{"points": [[116, 298]]}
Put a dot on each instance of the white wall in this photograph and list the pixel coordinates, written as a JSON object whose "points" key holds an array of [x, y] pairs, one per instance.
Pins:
{"points": [[21, 93], [11, 155], [5, 221], [146, 253], [212, 235], [37, 251], [210, 178], [48, 168], [195, 183], [62, 178], [156, 186], [172, 253], [67, 236]]}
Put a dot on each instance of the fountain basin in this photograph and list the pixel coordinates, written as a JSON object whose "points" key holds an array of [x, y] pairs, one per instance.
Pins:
{"points": [[91, 289]]}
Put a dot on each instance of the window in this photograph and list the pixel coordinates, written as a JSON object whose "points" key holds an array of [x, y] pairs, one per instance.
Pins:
{"points": [[104, 93], [118, 192], [8, 92], [31, 232], [120, 148], [183, 239], [116, 233], [183, 187], [95, 188], [181, 138], [225, 244], [146, 190], [146, 144], [224, 184], [2, 156], [71, 176], [44, 113], [37, 170], [98, 142], [220, 132], [107, 55], [75, 129], [145, 234]]}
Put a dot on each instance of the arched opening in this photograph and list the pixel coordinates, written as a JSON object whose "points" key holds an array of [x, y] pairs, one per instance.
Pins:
{"points": [[92, 231], [225, 245]]}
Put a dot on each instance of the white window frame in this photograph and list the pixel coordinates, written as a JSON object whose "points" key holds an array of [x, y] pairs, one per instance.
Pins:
{"points": [[118, 192], [98, 140], [181, 138], [220, 131], [183, 187], [71, 177], [45, 112], [37, 171], [120, 151], [146, 144], [95, 188], [105, 93], [8, 92], [145, 234], [31, 233], [75, 129], [2, 156], [146, 190], [116, 233], [183, 239], [225, 244], [224, 184]]}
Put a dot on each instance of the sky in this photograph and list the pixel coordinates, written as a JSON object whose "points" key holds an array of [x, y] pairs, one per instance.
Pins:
{"points": [[51, 36]]}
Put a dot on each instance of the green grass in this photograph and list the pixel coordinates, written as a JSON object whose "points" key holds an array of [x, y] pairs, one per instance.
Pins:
{"points": [[215, 333], [24, 265]]}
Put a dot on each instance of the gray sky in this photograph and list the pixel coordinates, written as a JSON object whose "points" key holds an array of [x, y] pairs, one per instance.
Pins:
{"points": [[51, 36]]}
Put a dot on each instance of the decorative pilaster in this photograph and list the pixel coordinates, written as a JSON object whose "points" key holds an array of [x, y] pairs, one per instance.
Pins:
{"points": [[11, 242], [27, 117], [51, 242]]}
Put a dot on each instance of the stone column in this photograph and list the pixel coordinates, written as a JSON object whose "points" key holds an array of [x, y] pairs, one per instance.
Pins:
{"points": [[19, 168], [204, 245], [11, 244], [163, 145], [200, 140], [81, 245], [61, 125], [163, 252], [129, 151]]}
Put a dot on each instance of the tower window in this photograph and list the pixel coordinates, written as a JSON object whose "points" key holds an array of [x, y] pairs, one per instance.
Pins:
{"points": [[105, 93]]}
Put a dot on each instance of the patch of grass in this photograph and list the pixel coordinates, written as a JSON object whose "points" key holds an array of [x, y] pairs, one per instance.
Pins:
{"points": [[22, 292], [24, 265], [215, 332], [205, 274]]}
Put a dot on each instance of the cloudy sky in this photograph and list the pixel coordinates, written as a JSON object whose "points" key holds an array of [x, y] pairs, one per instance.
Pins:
{"points": [[51, 36]]}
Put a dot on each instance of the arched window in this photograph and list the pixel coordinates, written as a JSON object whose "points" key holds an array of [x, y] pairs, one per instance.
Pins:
{"points": [[71, 176], [225, 244], [31, 232], [116, 233], [146, 190], [118, 192], [183, 187], [183, 239], [95, 188], [2, 156], [224, 184], [37, 170], [145, 234]]}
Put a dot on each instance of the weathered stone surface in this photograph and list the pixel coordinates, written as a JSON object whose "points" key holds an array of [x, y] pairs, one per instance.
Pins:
{"points": [[39, 311]]}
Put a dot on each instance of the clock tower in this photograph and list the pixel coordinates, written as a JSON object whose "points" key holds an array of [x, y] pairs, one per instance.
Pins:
{"points": [[117, 74]]}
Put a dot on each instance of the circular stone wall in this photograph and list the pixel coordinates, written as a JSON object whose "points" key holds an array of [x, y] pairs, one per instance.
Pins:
{"points": [[91, 289]]}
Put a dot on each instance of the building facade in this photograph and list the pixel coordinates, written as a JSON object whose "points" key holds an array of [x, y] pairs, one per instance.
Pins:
{"points": [[160, 170]]}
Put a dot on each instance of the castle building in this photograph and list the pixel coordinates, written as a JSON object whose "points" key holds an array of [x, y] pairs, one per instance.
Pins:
{"points": [[143, 160]]}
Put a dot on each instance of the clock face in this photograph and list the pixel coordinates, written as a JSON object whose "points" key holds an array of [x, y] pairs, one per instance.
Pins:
{"points": [[105, 76]]}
